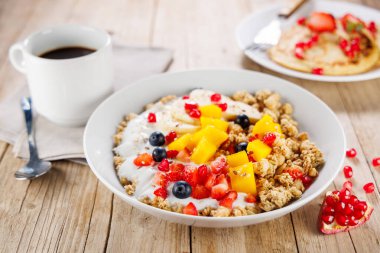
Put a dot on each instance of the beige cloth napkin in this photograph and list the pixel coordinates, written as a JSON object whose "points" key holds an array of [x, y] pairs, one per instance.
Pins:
{"points": [[55, 142]]}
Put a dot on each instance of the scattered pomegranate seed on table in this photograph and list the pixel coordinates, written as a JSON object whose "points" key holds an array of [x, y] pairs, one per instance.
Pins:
{"points": [[351, 153], [152, 117], [347, 185], [347, 170], [369, 187], [376, 161], [216, 97]]}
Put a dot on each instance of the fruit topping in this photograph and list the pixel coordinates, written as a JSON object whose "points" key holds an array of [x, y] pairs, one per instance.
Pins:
{"points": [[223, 106], [258, 150], [181, 190], [216, 97], [218, 123], [203, 173], [160, 179], [200, 192], [269, 138], [317, 71], [195, 113], [219, 165], [163, 165], [241, 146], [242, 120], [293, 172], [229, 199], [152, 117], [159, 154], [342, 211], [369, 187], [170, 137], [372, 27], [190, 175], [243, 178], [376, 161], [250, 198], [321, 22], [351, 23], [265, 125], [180, 143], [299, 53], [212, 111], [161, 192], [144, 159], [347, 170], [351, 153], [191, 106], [190, 209], [301, 21], [157, 139], [172, 154], [185, 97], [219, 191], [306, 180]]}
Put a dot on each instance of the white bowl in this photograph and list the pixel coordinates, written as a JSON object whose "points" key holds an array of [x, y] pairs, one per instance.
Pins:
{"points": [[313, 116]]}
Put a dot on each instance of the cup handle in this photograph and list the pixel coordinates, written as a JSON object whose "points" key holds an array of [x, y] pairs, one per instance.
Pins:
{"points": [[16, 56]]}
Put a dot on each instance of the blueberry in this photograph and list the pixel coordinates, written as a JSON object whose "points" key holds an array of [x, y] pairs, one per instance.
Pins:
{"points": [[159, 154], [181, 189], [242, 120], [241, 146], [157, 139]]}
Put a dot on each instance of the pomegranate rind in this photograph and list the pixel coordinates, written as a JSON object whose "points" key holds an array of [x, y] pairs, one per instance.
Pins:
{"points": [[334, 228]]}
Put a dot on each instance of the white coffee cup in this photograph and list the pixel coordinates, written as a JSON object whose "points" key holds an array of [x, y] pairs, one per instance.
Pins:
{"points": [[66, 91]]}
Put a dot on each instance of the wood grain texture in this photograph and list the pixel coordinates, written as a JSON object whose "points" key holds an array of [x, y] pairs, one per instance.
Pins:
{"points": [[69, 210]]}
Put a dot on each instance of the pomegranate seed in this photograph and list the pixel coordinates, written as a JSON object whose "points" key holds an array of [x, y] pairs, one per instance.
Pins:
{"points": [[299, 53], [358, 214], [170, 137], [341, 219], [352, 221], [163, 165], [376, 161], [306, 180], [191, 106], [330, 200], [347, 185], [185, 97], [315, 38], [369, 187], [301, 45], [353, 200], [216, 97], [152, 117], [328, 219], [343, 44], [301, 21], [195, 113], [372, 27], [223, 106], [347, 171], [269, 138], [351, 153], [172, 154], [362, 206], [348, 210], [328, 210], [339, 207], [345, 192], [350, 53], [317, 71]]}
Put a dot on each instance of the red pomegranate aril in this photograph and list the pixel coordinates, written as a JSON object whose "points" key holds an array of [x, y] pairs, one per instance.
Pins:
{"points": [[299, 53], [191, 106], [170, 137], [351, 153], [353, 200], [330, 200], [301, 45], [216, 97], [347, 185], [328, 219], [315, 38], [269, 138], [372, 27], [348, 210], [223, 106], [369, 187], [352, 221], [317, 71], [306, 180], [341, 219], [328, 210], [376, 161], [172, 154], [185, 97], [339, 207], [358, 214], [345, 192], [152, 117], [347, 170], [195, 113], [362, 205], [301, 21], [163, 165], [343, 44]]}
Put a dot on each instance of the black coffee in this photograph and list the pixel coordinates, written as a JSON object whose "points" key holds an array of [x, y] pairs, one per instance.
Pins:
{"points": [[67, 53]]}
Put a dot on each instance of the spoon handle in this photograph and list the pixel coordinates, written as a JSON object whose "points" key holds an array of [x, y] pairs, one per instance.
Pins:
{"points": [[26, 105]]}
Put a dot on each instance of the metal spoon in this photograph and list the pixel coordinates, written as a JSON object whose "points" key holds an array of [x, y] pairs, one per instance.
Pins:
{"points": [[35, 166]]}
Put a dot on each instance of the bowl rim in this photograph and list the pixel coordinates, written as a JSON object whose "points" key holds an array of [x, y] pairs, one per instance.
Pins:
{"points": [[261, 216]]}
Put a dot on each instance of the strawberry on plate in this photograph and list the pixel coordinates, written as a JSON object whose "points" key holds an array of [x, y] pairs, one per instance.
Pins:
{"points": [[321, 22]]}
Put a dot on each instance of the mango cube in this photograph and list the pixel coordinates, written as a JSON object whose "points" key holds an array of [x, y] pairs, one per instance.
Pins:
{"points": [[203, 151], [266, 125], [243, 178], [212, 111], [180, 143], [258, 149], [237, 159], [213, 134], [218, 123]]}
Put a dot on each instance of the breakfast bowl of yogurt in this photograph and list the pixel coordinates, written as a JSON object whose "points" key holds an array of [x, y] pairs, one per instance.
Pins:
{"points": [[215, 148]]}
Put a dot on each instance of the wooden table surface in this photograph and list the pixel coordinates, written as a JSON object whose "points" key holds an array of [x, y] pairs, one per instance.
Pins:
{"points": [[69, 210]]}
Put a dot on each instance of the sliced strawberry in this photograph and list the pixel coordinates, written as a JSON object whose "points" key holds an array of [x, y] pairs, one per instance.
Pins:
{"points": [[177, 167], [321, 22], [219, 191], [174, 176], [160, 179], [171, 154], [190, 209], [229, 199], [203, 173], [219, 165], [351, 23], [163, 165], [190, 175], [293, 172], [144, 159], [200, 192], [183, 156], [210, 181], [250, 198], [221, 179], [161, 192]]}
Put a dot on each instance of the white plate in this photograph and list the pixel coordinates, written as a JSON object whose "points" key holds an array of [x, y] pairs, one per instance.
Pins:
{"points": [[248, 28], [312, 114]]}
